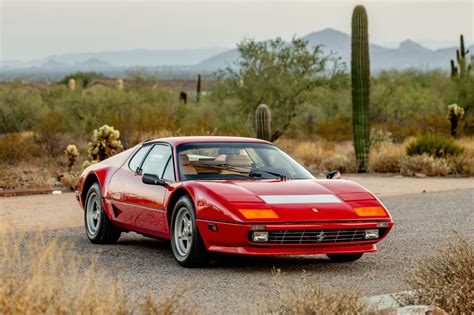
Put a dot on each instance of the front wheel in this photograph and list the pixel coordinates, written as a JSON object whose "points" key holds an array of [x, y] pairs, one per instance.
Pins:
{"points": [[344, 257], [186, 242], [99, 229]]}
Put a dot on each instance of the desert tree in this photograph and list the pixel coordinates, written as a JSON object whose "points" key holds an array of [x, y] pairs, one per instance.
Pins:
{"points": [[278, 73]]}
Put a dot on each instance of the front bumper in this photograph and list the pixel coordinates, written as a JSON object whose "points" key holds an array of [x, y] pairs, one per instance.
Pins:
{"points": [[233, 238]]}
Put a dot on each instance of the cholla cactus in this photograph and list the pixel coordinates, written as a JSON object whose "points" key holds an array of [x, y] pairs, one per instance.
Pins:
{"points": [[455, 114], [88, 163], [71, 84], [119, 84], [105, 143], [377, 137], [71, 153]]}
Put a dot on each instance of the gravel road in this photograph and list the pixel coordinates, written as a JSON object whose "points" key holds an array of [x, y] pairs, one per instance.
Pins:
{"points": [[239, 284]]}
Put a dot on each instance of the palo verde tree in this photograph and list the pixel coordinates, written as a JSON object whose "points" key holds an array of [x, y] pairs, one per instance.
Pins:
{"points": [[278, 73]]}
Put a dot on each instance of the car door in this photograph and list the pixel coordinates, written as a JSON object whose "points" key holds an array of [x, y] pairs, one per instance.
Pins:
{"points": [[150, 198], [123, 187]]}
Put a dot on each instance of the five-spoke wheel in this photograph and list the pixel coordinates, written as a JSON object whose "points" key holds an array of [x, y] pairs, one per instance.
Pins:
{"points": [[186, 242], [183, 231], [99, 229]]}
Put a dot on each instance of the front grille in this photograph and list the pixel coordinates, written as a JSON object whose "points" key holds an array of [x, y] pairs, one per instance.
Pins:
{"points": [[316, 236]]}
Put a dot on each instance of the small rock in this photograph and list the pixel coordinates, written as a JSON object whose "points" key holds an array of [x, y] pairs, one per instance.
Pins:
{"points": [[56, 192], [420, 175]]}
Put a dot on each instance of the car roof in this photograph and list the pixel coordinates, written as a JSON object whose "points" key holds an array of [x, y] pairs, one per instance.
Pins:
{"points": [[175, 141]]}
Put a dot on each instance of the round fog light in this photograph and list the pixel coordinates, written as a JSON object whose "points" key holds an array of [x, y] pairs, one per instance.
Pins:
{"points": [[260, 236], [371, 234]]}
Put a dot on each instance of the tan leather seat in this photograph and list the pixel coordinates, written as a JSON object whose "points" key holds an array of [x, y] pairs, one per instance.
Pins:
{"points": [[185, 165], [239, 161]]}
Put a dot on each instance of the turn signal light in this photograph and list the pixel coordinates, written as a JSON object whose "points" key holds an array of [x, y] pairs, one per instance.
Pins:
{"points": [[370, 212], [258, 213]]}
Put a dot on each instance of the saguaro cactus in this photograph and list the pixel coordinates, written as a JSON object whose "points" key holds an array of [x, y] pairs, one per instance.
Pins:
{"points": [[198, 89], [263, 122], [463, 67], [360, 70]]}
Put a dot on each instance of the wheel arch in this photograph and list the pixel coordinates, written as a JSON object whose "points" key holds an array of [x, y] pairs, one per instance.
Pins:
{"points": [[177, 194], [90, 180]]}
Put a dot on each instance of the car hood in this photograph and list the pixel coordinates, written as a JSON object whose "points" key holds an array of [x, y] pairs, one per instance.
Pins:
{"points": [[294, 200]]}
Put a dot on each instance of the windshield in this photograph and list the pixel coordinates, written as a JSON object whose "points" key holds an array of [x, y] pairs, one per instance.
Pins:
{"points": [[220, 161]]}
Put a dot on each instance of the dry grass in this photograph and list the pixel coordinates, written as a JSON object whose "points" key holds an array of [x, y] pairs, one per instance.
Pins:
{"points": [[424, 164], [320, 155], [44, 276], [309, 298], [386, 158], [445, 279]]}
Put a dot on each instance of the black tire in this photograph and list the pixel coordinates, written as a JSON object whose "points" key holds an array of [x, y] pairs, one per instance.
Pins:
{"points": [[100, 230], [194, 253], [344, 257]]}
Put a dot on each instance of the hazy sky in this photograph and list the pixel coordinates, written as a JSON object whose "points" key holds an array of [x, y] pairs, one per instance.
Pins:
{"points": [[35, 29]]}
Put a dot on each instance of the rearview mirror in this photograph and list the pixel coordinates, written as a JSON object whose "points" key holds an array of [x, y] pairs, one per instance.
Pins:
{"points": [[333, 175], [152, 179]]}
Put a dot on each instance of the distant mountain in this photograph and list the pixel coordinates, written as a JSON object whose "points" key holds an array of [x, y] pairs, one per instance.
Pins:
{"points": [[127, 58], [409, 54], [188, 62]]}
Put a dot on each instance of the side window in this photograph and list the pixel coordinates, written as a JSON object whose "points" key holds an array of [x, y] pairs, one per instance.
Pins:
{"points": [[137, 159], [169, 171], [156, 160]]}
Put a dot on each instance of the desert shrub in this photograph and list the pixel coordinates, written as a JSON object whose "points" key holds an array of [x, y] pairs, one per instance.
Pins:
{"points": [[461, 165], [51, 134], [17, 146], [385, 158], [105, 143], [340, 162], [424, 164], [41, 275], [445, 279], [308, 153], [310, 298], [21, 107], [434, 145]]}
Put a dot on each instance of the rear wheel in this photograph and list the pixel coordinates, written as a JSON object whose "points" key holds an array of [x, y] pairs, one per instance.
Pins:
{"points": [[344, 257], [186, 242], [99, 229]]}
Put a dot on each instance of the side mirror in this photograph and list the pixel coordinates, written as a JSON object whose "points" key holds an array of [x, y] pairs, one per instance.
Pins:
{"points": [[152, 179], [333, 175]]}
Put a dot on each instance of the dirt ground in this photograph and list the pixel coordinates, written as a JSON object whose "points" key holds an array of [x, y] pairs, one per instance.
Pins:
{"points": [[62, 211]]}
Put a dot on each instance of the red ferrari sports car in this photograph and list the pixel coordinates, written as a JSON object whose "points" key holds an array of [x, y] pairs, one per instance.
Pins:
{"points": [[228, 195]]}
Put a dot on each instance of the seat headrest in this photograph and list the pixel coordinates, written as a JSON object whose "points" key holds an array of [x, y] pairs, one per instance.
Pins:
{"points": [[184, 159], [238, 160]]}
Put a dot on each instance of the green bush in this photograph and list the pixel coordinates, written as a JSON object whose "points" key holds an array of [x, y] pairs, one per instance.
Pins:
{"points": [[435, 146]]}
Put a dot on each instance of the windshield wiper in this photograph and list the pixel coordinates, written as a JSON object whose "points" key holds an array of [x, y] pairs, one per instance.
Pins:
{"points": [[251, 173], [281, 176]]}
